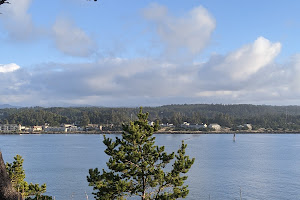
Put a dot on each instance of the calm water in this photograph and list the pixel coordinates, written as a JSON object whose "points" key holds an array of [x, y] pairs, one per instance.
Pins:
{"points": [[263, 166]]}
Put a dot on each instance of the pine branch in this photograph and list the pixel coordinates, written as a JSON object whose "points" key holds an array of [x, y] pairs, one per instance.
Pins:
{"points": [[4, 1]]}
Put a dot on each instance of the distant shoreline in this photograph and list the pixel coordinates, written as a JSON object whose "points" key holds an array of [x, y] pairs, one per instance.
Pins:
{"points": [[228, 132], [159, 132]]}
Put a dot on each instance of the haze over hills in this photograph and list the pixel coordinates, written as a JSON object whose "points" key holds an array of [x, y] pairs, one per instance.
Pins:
{"points": [[2, 106]]}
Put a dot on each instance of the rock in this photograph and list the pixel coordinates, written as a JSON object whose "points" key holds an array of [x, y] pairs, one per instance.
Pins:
{"points": [[7, 192]]}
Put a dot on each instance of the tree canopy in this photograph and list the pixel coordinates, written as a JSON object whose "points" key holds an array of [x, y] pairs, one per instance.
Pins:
{"points": [[137, 167], [17, 176], [287, 117]]}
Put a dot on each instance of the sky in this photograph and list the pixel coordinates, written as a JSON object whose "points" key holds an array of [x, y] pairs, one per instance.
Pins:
{"points": [[124, 53]]}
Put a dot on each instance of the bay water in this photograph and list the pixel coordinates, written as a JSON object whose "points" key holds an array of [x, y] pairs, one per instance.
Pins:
{"points": [[254, 166]]}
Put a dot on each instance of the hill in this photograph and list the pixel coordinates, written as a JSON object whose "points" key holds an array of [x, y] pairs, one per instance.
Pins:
{"points": [[226, 115]]}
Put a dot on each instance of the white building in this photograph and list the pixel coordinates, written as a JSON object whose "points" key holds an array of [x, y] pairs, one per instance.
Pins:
{"points": [[245, 127], [185, 125], [193, 126], [249, 126], [214, 126], [21, 128], [151, 123]]}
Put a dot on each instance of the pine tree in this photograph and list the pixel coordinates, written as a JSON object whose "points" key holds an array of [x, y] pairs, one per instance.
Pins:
{"points": [[17, 176], [137, 167]]}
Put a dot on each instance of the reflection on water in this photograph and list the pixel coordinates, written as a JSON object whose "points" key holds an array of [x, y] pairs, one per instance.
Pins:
{"points": [[263, 166]]}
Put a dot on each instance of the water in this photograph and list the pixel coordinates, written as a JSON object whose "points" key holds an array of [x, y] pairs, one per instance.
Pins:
{"points": [[261, 166]]}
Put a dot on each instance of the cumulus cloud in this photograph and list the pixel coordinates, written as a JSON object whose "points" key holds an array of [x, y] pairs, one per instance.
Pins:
{"points": [[141, 81], [104, 77], [129, 82], [238, 69], [248, 60], [12, 82], [9, 68], [132, 82], [72, 40], [192, 31], [17, 21], [293, 74]]}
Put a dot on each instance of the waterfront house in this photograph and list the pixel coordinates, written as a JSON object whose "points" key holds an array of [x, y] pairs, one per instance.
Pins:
{"points": [[193, 126], [215, 126], [9, 127], [248, 126], [37, 128]]}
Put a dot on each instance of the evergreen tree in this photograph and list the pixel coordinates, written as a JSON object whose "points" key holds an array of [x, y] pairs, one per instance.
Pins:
{"points": [[16, 172], [17, 176], [85, 120], [138, 168]]}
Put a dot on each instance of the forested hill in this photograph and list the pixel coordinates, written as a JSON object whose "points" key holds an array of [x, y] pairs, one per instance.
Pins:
{"points": [[226, 115], [236, 110]]}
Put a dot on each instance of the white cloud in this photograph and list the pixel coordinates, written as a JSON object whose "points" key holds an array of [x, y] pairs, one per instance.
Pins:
{"points": [[293, 73], [72, 40], [17, 20], [245, 75], [133, 82], [239, 68], [9, 68], [13, 82], [248, 60], [192, 31]]}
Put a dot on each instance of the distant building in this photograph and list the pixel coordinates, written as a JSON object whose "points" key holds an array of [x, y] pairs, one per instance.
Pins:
{"points": [[185, 125], [37, 128], [240, 127], [193, 126], [61, 128], [96, 127], [249, 126], [69, 127], [245, 127], [9, 127], [21, 128], [151, 123], [167, 125], [54, 129], [198, 126], [214, 126]]}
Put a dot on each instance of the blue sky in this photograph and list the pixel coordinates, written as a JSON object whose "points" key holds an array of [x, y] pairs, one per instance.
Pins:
{"points": [[149, 53]]}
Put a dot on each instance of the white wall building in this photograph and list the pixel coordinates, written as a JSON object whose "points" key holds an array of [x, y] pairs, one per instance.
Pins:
{"points": [[214, 126], [193, 126], [249, 126]]}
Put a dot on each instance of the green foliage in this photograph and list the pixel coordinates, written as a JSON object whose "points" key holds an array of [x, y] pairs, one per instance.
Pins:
{"points": [[137, 167], [16, 172], [37, 116], [85, 120], [261, 116], [41, 197], [17, 176]]}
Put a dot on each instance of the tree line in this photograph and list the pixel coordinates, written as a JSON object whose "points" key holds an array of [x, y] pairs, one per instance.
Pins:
{"points": [[276, 117]]}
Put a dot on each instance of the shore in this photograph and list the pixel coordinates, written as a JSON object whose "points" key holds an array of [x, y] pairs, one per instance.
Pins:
{"points": [[158, 132]]}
